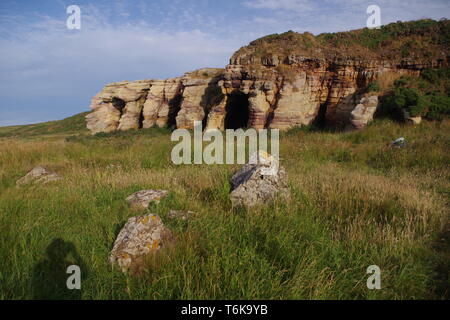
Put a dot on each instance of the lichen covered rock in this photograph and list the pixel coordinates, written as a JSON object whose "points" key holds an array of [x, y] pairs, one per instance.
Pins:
{"points": [[256, 182], [139, 237]]}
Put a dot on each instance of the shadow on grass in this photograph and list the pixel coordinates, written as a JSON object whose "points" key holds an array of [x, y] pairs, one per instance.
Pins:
{"points": [[442, 268], [49, 275]]}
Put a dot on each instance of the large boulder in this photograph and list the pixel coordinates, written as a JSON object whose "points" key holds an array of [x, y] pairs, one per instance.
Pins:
{"points": [[143, 198], [364, 111], [139, 237], [258, 181], [38, 175]]}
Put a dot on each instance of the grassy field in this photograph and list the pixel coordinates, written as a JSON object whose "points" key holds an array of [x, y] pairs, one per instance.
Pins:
{"points": [[356, 202]]}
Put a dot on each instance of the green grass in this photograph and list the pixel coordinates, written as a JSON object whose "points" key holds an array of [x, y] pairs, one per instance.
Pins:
{"points": [[355, 202], [74, 124]]}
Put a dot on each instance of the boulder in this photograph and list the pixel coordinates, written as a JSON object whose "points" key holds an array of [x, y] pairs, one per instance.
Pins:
{"points": [[143, 198], [256, 182], [139, 237], [411, 120], [38, 175], [364, 111]]}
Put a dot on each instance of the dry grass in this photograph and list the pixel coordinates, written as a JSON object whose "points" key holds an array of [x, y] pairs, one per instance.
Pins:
{"points": [[356, 202]]}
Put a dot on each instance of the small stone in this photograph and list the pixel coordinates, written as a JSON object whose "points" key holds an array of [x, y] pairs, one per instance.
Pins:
{"points": [[143, 198], [139, 237], [399, 143], [38, 175]]}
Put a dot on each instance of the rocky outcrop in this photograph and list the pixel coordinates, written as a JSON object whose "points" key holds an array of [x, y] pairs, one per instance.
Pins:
{"points": [[356, 111], [306, 91], [38, 175], [255, 184], [139, 237], [279, 81], [176, 102]]}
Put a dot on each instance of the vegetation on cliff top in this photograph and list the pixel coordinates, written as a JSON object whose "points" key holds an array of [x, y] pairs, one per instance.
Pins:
{"points": [[414, 39]]}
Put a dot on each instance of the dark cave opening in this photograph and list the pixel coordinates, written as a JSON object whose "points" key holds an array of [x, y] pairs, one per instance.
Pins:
{"points": [[119, 104], [320, 121], [237, 112], [174, 108]]}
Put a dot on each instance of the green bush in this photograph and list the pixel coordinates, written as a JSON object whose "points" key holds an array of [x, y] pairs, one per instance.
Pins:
{"points": [[426, 96], [439, 107]]}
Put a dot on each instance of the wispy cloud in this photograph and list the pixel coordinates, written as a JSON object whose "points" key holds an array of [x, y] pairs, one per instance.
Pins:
{"points": [[48, 72], [295, 5]]}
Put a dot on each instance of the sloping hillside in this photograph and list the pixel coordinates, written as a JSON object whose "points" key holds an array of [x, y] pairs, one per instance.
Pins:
{"points": [[71, 125]]}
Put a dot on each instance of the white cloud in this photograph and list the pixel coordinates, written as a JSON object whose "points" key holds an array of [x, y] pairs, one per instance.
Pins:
{"points": [[54, 71], [295, 5]]}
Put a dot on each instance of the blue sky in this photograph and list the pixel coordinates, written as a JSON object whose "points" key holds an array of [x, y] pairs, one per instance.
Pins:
{"points": [[48, 72]]}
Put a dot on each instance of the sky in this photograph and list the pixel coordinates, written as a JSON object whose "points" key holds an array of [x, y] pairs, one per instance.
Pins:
{"points": [[48, 72]]}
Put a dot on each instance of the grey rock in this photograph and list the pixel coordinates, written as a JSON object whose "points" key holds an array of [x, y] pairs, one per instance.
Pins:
{"points": [[399, 143], [139, 237], [38, 175], [254, 183], [143, 198]]}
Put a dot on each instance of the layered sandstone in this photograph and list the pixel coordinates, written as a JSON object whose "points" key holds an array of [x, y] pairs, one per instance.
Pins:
{"points": [[279, 81], [140, 104]]}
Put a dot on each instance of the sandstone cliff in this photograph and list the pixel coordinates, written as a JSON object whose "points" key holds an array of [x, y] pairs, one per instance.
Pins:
{"points": [[279, 81]]}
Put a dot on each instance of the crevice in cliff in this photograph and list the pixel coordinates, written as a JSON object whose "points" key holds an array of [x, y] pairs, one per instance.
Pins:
{"points": [[174, 108], [320, 121], [237, 111], [274, 104], [321, 118]]}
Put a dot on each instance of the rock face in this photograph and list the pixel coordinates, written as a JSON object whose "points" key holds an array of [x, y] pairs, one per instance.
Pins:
{"points": [[252, 186], [143, 198], [139, 237], [38, 175], [176, 102], [275, 82]]}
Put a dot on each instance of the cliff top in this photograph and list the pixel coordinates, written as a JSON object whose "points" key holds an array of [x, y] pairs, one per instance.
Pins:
{"points": [[428, 39]]}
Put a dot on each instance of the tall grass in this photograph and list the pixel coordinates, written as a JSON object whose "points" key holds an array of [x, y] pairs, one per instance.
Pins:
{"points": [[355, 202]]}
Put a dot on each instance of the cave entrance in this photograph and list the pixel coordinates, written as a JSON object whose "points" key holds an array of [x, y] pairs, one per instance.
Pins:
{"points": [[119, 104], [237, 112]]}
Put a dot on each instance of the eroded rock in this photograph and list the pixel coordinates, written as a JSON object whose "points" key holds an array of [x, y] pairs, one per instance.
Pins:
{"points": [[38, 175], [256, 182], [143, 198], [320, 84], [139, 237], [364, 111]]}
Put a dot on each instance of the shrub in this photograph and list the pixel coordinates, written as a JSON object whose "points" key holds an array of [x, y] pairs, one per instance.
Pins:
{"points": [[425, 96]]}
